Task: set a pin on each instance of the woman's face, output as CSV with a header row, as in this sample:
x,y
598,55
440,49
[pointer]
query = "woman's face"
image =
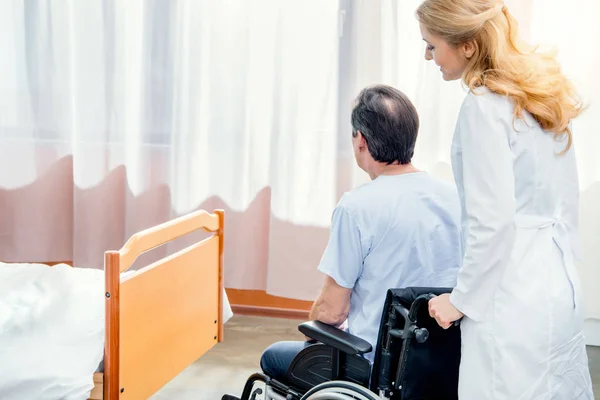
x,y
451,60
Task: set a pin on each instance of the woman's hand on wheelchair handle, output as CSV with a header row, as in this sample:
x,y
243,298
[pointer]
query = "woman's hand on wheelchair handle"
x,y
442,310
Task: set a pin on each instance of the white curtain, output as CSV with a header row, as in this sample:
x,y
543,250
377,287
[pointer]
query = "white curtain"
x,y
117,115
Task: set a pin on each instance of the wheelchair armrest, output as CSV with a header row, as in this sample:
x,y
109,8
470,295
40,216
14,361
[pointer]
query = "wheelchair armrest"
x,y
334,337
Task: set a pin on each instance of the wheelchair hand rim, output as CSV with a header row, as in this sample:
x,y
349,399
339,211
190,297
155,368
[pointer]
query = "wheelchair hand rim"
x,y
336,388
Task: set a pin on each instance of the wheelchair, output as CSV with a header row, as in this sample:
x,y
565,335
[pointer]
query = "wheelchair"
x,y
415,359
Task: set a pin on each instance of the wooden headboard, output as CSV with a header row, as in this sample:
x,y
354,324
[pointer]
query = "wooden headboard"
x,y
164,316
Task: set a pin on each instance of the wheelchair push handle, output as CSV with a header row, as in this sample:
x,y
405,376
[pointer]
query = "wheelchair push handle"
x,y
430,296
413,327
420,302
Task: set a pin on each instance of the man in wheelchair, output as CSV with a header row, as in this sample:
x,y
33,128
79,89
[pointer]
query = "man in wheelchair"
x,y
402,229
414,359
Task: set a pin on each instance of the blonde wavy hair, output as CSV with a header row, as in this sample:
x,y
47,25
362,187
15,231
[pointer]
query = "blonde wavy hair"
x,y
504,64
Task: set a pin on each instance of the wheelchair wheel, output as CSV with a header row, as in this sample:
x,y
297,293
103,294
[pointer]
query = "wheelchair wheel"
x,y
339,390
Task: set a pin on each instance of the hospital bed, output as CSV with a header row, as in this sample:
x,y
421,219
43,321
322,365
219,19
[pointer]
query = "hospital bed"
x,y
157,319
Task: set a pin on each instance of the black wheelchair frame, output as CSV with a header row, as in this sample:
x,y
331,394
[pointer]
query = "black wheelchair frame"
x,y
414,359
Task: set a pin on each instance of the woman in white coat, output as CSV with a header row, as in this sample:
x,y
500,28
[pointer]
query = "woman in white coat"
x,y
518,292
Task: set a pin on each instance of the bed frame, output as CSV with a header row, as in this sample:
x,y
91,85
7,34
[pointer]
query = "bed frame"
x,y
163,317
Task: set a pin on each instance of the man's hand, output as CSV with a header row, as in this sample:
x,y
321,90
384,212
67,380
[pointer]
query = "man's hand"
x,y
443,311
333,304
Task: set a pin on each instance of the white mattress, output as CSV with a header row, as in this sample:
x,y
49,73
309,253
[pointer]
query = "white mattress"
x,y
52,330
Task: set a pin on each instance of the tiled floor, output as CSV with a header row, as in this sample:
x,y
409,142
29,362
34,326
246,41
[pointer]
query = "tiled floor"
x,y
226,367
594,356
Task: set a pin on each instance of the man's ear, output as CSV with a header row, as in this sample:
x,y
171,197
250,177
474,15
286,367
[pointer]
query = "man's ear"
x,y
362,142
469,49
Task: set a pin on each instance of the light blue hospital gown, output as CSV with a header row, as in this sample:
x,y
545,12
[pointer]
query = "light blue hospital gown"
x,y
395,231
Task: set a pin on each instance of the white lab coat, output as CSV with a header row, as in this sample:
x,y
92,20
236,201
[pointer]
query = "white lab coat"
x,y
518,288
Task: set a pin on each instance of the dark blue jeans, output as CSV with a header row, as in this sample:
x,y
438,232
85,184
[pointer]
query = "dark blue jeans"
x,y
276,359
